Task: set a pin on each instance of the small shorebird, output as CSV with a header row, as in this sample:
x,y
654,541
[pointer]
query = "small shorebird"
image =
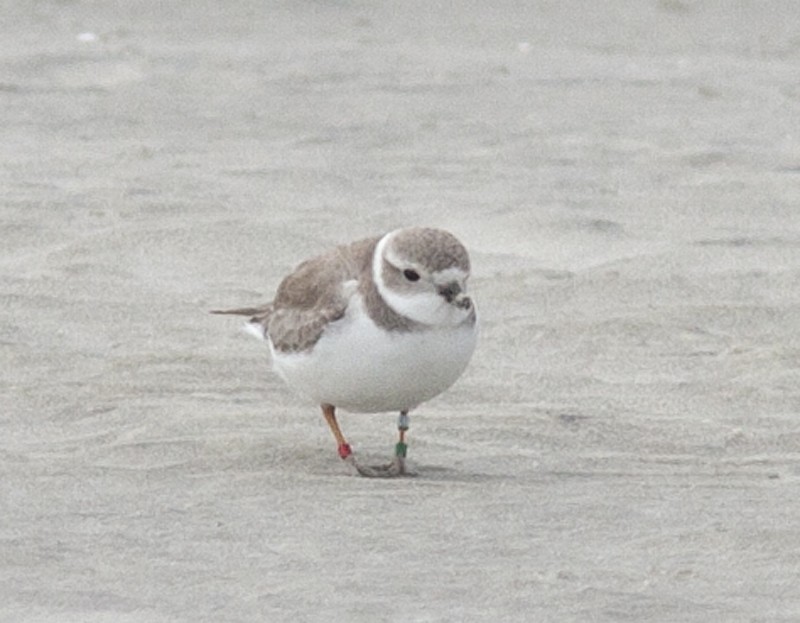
x,y
381,324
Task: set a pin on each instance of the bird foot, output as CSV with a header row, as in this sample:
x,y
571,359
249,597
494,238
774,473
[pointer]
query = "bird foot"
x,y
394,469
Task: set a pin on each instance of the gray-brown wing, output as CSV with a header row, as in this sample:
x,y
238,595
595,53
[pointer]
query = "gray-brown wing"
x,y
295,330
311,297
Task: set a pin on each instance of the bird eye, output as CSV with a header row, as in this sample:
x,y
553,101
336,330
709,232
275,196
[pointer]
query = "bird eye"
x,y
411,275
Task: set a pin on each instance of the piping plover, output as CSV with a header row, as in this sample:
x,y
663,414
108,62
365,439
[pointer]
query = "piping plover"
x,y
381,324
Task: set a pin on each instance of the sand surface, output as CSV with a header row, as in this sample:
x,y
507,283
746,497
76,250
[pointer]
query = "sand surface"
x,y
625,445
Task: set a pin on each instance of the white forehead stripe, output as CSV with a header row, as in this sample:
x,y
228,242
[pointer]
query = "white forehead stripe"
x,y
448,275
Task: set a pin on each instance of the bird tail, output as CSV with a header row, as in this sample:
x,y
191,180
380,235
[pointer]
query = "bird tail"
x,y
242,311
258,324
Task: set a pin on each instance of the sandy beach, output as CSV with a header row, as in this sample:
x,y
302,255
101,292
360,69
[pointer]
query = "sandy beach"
x,y
625,444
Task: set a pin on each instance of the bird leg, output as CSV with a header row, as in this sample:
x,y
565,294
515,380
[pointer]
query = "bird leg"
x,y
329,411
398,465
401,448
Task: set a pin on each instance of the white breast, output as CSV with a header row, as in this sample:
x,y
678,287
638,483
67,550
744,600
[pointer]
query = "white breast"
x,y
361,367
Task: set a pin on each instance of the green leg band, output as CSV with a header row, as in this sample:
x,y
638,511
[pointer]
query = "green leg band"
x,y
400,449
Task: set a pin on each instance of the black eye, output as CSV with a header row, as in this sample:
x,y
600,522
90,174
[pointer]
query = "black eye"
x,y
411,275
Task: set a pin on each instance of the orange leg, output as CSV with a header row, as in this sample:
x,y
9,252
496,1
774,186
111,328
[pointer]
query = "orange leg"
x,y
329,411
